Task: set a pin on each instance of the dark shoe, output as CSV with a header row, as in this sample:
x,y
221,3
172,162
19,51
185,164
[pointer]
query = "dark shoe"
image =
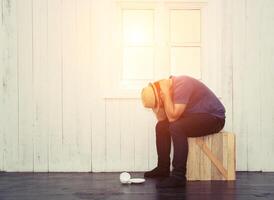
x,y
172,182
157,173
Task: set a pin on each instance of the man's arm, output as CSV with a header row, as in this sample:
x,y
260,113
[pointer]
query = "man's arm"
x,y
173,111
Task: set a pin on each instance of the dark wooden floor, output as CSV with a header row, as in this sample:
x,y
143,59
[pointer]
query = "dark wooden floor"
x,y
106,186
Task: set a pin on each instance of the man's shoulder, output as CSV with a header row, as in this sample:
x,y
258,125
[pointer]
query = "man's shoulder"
x,y
184,79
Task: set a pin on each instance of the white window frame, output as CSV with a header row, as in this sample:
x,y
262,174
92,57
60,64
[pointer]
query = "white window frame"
x,y
120,91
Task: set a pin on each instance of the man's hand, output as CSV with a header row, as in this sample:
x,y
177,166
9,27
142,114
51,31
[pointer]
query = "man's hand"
x,y
173,111
160,114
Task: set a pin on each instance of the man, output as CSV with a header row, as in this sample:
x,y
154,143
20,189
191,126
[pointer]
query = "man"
x,y
184,107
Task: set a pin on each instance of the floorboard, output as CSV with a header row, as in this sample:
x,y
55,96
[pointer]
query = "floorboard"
x,y
106,186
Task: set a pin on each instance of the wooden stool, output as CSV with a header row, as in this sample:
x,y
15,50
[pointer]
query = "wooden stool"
x,y
212,157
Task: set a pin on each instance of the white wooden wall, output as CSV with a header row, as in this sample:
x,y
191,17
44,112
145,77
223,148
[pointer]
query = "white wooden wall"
x,y
45,88
253,83
52,55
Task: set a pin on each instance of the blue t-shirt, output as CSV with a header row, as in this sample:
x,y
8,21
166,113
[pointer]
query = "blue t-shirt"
x,y
197,96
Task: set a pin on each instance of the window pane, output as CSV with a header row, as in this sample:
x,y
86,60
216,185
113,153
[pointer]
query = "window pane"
x,y
184,26
138,26
186,61
138,63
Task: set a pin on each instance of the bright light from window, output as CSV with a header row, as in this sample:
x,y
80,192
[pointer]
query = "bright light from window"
x,y
138,27
135,36
138,32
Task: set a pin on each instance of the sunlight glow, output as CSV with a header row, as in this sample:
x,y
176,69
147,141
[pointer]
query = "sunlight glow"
x,y
138,27
135,36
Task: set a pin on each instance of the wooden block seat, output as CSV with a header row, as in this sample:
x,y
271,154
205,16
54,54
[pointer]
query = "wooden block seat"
x,y
212,157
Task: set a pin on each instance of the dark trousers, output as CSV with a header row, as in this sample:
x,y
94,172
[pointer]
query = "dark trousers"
x,y
192,125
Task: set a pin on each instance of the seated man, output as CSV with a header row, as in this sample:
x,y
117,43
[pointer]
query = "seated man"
x,y
184,107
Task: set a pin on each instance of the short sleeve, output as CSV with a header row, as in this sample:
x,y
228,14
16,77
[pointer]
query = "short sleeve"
x,y
182,91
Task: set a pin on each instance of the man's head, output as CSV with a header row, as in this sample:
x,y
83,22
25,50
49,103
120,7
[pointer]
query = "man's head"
x,y
151,95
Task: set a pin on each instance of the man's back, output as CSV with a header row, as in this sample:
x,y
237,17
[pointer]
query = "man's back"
x,y
198,97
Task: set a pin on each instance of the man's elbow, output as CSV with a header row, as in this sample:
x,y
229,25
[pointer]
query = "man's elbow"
x,y
173,118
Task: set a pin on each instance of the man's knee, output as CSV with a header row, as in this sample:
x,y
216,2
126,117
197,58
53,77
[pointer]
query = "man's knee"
x,y
176,128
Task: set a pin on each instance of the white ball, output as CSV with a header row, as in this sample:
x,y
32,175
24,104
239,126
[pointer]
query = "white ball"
x,y
124,177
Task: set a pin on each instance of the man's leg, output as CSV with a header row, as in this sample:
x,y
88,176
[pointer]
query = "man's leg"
x,y
194,125
163,145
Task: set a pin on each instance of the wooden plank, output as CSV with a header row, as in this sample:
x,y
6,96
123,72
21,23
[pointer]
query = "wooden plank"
x,y
1,88
54,46
205,162
231,160
127,135
113,135
9,89
40,86
141,139
100,63
25,85
267,97
217,150
239,93
225,149
212,157
83,51
252,85
76,84
193,161
98,135
71,118
2,41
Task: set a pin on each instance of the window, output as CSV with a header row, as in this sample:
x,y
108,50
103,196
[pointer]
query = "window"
x,y
138,44
185,43
158,41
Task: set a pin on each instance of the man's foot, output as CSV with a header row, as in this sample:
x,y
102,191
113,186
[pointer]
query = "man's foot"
x,y
171,182
157,173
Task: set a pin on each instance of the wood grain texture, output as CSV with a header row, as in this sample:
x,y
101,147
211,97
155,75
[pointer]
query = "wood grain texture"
x,y
249,185
253,77
218,149
127,136
205,163
76,109
1,89
58,60
55,119
267,94
194,160
209,163
239,93
25,86
113,135
231,159
84,85
8,87
40,85
252,110
100,38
